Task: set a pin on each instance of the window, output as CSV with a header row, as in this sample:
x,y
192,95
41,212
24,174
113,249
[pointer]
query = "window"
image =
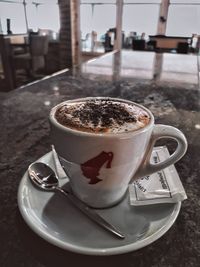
x,y
140,18
97,17
183,20
100,16
44,14
14,12
47,17
104,18
85,20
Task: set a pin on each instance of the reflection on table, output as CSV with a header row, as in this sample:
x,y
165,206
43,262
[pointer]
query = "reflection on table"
x,y
27,57
158,67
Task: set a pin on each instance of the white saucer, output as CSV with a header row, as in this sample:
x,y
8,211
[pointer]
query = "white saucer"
x,y
56,220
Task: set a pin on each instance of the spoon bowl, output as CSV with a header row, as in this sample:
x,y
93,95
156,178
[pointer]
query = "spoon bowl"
x,y
43,176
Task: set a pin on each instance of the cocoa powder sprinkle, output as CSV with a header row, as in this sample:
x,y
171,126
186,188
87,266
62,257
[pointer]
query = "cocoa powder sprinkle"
x,y
100,114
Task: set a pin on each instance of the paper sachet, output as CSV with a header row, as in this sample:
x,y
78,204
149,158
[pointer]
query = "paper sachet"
x,y
161,187
58,168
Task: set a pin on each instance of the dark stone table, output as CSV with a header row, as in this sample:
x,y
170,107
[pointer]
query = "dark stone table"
x,y
25,137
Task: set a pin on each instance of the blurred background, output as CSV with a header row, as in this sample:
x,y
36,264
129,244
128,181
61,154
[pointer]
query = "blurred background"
x,y
171,26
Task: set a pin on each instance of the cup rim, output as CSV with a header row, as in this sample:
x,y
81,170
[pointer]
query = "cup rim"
x,y
54,122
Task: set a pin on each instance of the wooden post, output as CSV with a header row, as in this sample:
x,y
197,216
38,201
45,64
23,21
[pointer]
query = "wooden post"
x,y
119,14
69,33
162,19
117,68
161,29
25,15
75,32
6,63
157,67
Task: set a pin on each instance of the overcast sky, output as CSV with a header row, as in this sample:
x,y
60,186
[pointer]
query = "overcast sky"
x,y
183,20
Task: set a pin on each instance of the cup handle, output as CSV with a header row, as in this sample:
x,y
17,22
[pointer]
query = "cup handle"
x,y
168,132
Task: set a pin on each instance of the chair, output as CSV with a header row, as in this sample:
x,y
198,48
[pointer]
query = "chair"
x,y
19,44
151,45
182,48
38,51
138,44
108,46
6,72
34,60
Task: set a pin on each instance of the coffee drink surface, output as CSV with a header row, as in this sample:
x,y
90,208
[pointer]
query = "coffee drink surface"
x,y
102,116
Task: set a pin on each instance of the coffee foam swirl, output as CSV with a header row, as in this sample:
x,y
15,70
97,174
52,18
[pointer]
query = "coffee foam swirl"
x,y
102,116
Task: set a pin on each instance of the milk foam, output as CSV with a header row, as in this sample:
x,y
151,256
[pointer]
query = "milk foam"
x,y
106,116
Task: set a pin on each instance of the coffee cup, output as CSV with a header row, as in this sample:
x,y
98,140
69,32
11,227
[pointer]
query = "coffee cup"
x,y
106,143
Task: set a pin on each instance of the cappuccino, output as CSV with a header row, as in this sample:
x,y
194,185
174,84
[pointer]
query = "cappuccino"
x,y
102,116
104,143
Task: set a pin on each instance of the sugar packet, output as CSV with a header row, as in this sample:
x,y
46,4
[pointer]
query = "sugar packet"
x,y
58,168
161,187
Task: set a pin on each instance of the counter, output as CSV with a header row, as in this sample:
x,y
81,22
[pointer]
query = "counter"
x,y
166,84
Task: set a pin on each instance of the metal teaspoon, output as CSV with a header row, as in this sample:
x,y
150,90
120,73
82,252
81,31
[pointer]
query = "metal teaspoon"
x,y
45,178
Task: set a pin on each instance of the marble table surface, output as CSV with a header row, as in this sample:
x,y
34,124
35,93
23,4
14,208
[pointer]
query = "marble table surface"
x,y
168,85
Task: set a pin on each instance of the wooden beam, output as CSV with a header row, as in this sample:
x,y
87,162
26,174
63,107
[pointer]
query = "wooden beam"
x,y
70,52
5,55
75,32
157,66
162,19
119,15
116,67
25,15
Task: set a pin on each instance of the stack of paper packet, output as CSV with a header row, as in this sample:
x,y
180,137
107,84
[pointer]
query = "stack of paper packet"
x,y
161,187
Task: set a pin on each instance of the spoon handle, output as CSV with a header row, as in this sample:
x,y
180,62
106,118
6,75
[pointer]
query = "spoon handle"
x,y
91,213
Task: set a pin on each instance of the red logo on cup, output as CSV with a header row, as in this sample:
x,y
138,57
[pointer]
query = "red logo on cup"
x,y
92,167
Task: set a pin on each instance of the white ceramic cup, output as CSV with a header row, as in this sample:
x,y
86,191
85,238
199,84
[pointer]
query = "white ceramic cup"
x,y
100,166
